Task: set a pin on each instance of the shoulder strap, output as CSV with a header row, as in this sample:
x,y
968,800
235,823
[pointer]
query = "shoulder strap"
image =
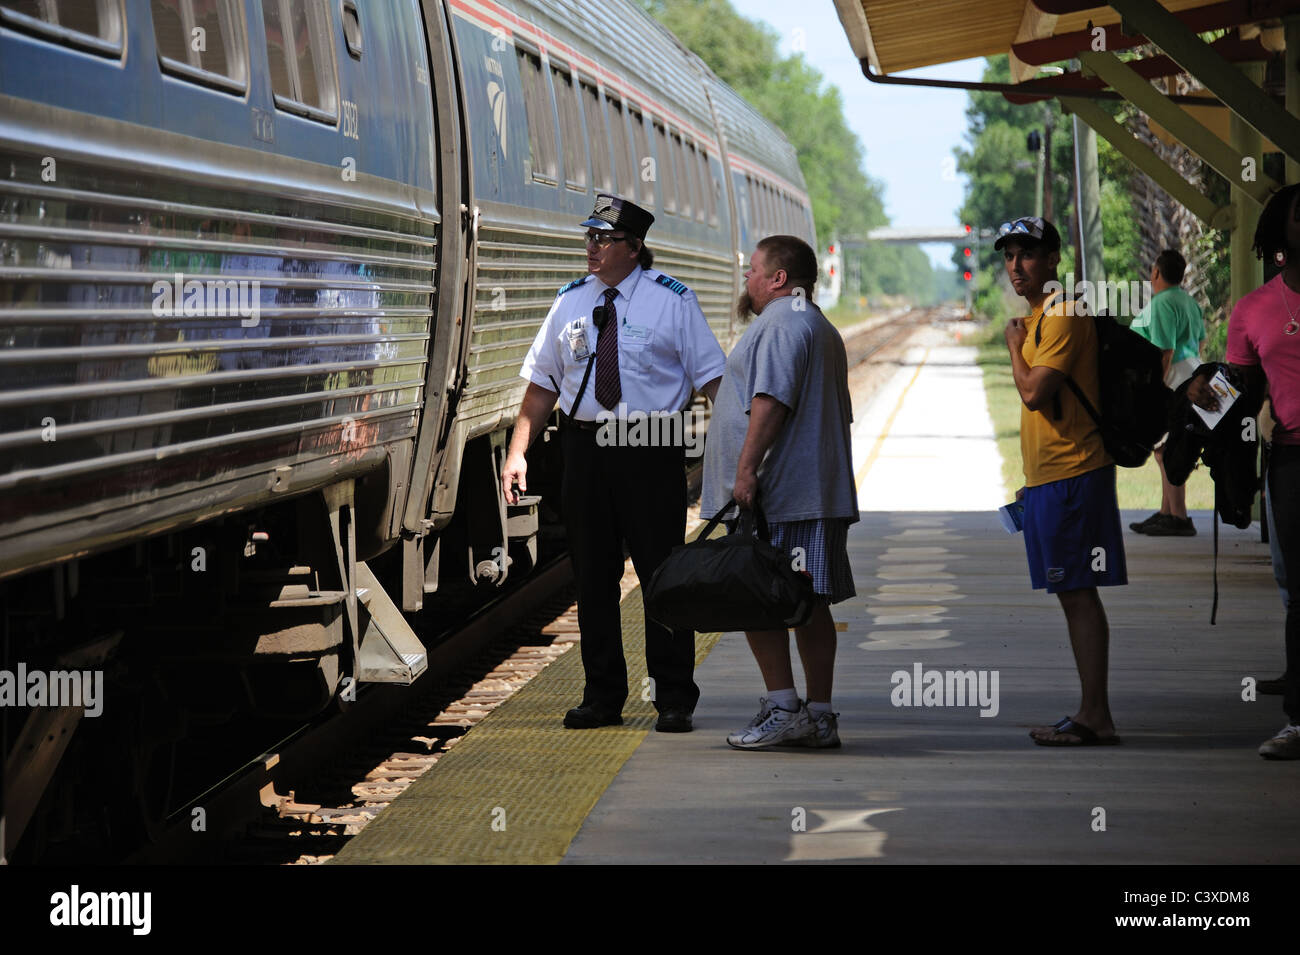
x,y
582,388
1078,392
1083,400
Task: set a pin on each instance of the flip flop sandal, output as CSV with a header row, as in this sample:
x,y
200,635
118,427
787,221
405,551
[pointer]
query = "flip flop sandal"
x,y
1086,737
1055,726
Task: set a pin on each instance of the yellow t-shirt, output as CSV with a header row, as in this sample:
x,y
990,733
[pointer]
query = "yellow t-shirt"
x,y
1055,448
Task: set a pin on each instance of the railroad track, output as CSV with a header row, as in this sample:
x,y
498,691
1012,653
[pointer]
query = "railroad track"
x,y
300,801
864,341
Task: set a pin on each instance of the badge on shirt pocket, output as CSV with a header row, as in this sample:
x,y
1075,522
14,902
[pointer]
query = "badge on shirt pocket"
x,y
578,345
635,341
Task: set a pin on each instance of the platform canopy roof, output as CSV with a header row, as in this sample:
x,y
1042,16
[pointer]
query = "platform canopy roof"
x,y
896,35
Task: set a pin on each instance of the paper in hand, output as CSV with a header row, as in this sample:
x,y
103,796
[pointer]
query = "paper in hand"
x,y
1226,394
1012,517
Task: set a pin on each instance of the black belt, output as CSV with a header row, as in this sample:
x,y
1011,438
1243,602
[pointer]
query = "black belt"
x,y
567,422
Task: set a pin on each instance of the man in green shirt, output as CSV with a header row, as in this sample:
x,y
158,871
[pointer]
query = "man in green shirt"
x,y
1172,322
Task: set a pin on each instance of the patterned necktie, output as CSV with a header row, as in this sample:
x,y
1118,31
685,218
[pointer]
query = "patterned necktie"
x,y
608,387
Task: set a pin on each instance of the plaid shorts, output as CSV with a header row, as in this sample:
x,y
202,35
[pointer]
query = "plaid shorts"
x,y
826,553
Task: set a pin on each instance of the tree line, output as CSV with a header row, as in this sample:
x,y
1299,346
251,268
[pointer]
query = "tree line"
x,y
746,55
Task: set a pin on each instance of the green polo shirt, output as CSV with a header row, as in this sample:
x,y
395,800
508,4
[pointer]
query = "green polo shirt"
x,y
1172,321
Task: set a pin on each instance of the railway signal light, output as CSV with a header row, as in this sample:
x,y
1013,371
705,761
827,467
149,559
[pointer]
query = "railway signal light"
x,y
966,275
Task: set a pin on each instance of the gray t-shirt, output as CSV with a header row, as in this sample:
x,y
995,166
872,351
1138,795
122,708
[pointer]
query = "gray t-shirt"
x,y
797,357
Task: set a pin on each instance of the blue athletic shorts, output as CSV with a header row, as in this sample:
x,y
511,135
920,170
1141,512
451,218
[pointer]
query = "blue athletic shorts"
x,y
1073,536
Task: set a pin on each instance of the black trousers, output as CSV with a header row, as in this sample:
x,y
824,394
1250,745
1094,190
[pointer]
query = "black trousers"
x,y
638,495
1284,483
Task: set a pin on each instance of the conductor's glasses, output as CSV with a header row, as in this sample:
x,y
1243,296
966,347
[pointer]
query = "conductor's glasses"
x,y
603,240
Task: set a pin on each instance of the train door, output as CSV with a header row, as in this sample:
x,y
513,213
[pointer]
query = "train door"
x,y
732,210
455,267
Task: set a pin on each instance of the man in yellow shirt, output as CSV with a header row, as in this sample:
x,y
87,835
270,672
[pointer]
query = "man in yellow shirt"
x,y
1073,537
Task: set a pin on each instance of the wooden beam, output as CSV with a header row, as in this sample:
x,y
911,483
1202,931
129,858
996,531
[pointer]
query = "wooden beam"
x,y
1227,82
1225,160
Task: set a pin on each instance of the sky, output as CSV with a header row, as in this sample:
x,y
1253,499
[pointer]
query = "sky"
x,y
907,133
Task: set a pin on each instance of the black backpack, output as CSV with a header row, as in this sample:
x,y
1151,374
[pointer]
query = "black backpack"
x,y
1135,401
1230,449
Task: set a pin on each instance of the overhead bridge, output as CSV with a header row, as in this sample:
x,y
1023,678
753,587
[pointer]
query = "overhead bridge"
x,y
913,236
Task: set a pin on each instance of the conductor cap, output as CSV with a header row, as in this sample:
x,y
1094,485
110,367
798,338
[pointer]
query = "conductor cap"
x,y
612,213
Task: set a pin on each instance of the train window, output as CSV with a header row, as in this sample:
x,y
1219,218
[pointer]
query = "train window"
x,y
685,172
598,140
571,139
89,24
541,124
666,167
301,54
202,41
352,28
622,148
710,190
641,153
691,161
755,209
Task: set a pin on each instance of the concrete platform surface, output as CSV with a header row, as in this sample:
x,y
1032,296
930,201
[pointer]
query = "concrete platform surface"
x,y
943,784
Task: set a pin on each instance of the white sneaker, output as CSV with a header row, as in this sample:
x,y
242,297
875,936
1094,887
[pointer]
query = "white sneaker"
x,y
825,732
1284,745
772,726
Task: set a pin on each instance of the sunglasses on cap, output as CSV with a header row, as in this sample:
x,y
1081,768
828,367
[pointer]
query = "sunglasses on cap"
x,y
1031,226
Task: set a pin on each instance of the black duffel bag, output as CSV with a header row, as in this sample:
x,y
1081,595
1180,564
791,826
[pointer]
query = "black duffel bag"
x,y
736,582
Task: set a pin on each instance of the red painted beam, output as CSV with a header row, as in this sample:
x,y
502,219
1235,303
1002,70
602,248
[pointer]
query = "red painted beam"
x,y
1217,16
1232,48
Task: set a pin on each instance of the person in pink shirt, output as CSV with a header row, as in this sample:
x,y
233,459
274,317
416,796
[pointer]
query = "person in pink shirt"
x,y
1264,347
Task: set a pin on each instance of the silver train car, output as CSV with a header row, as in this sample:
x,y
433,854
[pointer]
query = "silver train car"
x,y
268,271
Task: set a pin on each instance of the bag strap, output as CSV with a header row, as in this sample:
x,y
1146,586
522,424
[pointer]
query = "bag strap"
x,y
1083,400
1056,398
1214,607
715,520
754,514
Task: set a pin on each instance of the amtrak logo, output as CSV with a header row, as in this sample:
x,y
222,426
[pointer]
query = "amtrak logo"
x,y
497,100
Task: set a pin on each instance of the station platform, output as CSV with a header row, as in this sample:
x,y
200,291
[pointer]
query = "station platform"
x,y
941,587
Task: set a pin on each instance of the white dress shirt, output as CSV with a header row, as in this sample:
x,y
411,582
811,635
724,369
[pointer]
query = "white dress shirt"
x,y
665,345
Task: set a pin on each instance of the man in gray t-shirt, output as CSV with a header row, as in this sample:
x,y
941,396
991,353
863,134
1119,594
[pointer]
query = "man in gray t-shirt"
x,y
781,425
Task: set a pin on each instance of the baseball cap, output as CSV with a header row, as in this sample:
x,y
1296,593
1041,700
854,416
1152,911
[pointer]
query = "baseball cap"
x,y
1029,229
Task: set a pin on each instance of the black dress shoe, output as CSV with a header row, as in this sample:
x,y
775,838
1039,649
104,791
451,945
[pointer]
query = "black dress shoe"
x,y
588,716
1273,687
673,721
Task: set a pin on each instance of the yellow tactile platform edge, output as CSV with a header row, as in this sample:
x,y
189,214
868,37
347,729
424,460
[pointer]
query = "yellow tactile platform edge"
x,y
517,788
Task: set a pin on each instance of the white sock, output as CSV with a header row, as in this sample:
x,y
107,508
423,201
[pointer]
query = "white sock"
x,y
785,699
816,710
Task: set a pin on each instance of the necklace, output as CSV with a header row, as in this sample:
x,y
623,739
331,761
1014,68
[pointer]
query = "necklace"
x,y
1292,326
